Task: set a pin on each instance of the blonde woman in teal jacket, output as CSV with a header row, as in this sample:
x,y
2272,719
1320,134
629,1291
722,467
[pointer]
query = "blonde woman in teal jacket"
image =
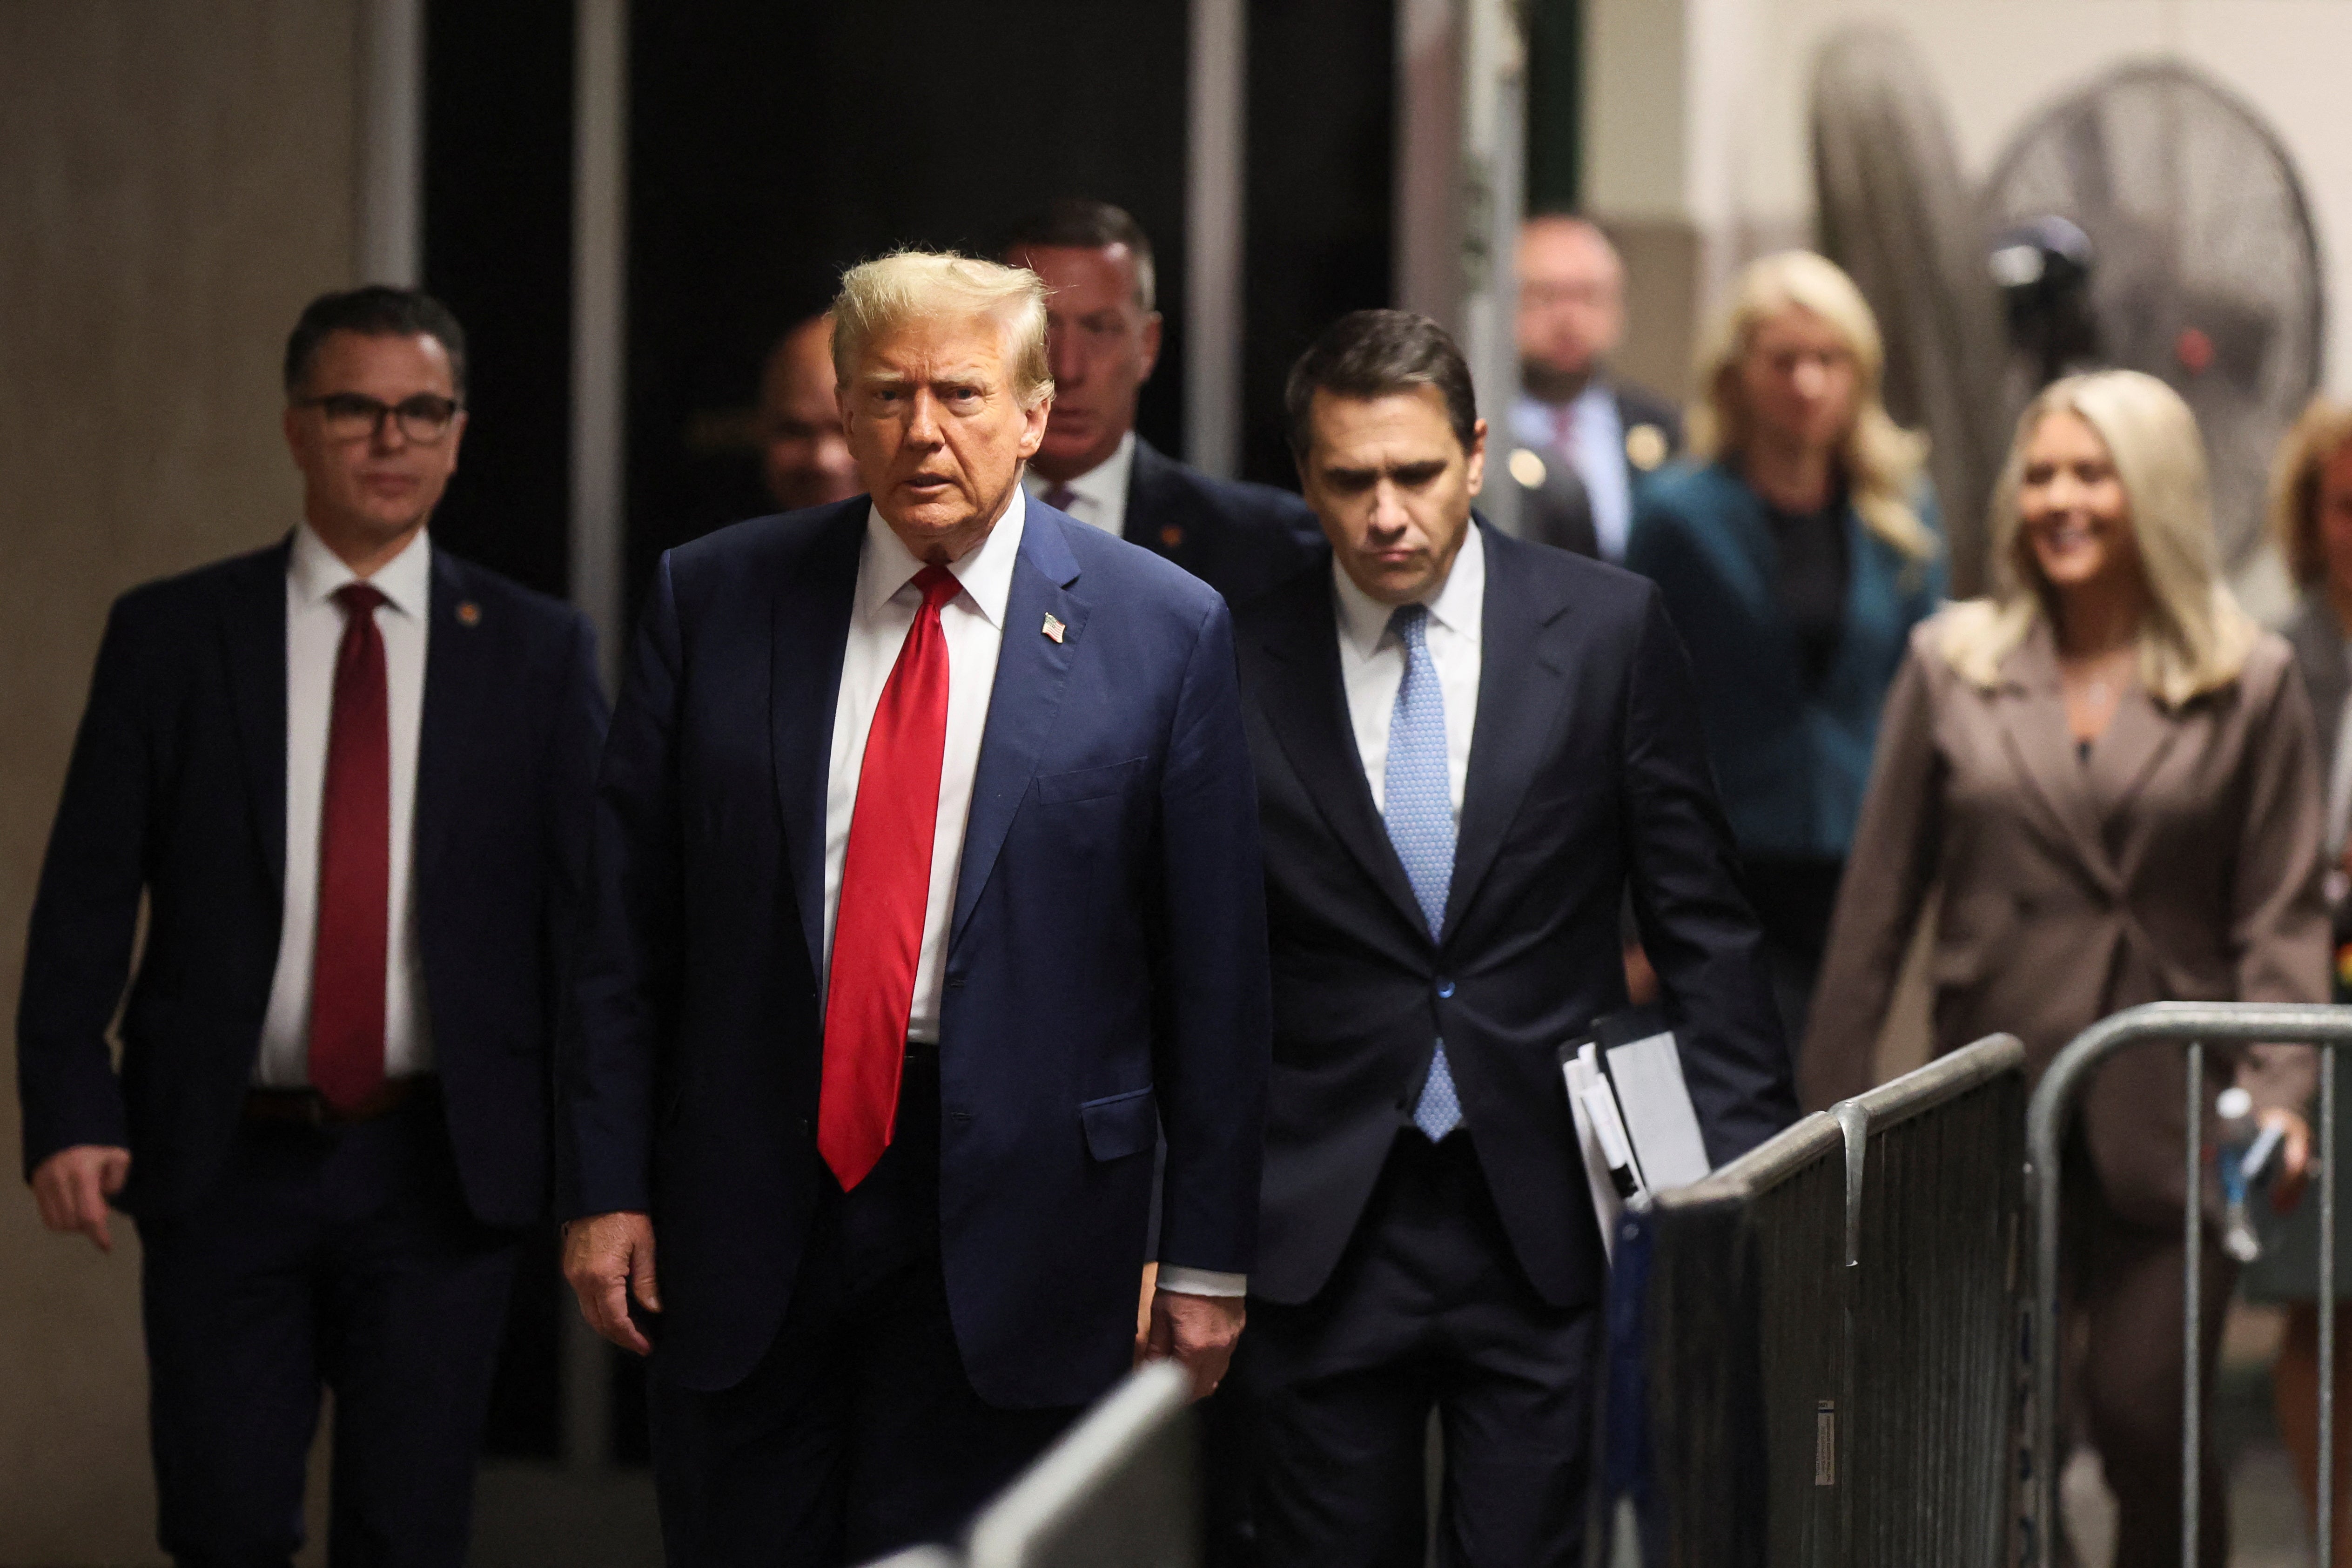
x,y
1794,557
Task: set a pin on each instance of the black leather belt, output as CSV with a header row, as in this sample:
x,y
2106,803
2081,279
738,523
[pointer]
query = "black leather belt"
x,y
308,1108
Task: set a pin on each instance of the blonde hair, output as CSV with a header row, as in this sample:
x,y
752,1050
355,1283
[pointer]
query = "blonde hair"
x,y
1879,459
2194,638
879,296
2324,430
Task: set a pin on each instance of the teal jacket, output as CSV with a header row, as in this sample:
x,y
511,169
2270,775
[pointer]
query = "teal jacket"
x,y
1791,764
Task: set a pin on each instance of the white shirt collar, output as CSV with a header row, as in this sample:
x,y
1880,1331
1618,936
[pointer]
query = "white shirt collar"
x,y
1106,483
1459,605
405,581
986,576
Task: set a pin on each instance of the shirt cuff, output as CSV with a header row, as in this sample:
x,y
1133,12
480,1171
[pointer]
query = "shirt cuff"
x,y
1201,1282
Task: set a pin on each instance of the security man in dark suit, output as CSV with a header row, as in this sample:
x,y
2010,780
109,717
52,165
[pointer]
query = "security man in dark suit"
x,y
1468,749
1584,441
350,776
1240,539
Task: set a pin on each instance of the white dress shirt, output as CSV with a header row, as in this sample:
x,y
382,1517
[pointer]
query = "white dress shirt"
x,y
1098,496
1372,659
974,624
314,631
1596,450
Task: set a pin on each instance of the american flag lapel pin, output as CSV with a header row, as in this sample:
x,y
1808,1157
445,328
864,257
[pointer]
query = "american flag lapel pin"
x,y
1055,629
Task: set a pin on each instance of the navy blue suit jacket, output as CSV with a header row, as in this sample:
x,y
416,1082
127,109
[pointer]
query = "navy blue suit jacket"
x,y
1105,971
1240,539
1587,778
177,790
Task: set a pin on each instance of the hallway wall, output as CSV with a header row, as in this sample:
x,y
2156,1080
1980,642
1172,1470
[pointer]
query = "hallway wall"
x,y
176,180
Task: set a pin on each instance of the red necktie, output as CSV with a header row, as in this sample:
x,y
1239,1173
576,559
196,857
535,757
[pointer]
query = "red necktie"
x,y
347,976
886,886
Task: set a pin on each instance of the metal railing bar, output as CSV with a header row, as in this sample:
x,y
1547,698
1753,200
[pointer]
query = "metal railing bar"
x,y
1795,1147
2192,1313
1947,1077
1131,1417
2197,1023
2325,1492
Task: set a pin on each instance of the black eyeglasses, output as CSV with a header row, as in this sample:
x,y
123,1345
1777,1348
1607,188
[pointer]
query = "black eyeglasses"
x,y
352,417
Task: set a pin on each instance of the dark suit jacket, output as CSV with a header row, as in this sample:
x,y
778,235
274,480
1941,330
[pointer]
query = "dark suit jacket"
x,y
1106,975
1587,775
2319,654
1239,539
1791,761
1558,512
177,790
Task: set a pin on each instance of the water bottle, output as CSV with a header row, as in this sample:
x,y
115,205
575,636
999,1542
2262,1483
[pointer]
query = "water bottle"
x,y
2243,1152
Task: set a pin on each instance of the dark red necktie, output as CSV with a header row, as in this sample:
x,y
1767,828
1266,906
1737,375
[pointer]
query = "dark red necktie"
x,y
347,975
886,886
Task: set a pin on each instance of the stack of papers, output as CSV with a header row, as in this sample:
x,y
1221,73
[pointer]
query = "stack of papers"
x,y
1634,1122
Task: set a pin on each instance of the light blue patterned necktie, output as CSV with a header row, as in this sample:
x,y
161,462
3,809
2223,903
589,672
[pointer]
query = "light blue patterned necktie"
x,y
1417,803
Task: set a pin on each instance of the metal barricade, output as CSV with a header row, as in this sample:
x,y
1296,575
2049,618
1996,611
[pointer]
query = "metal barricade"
x,y
1117,1491
1812,1350
2193,1026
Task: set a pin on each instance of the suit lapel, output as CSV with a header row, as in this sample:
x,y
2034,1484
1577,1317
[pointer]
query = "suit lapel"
x,y
1149,522
1518,705
1307,709
1032,671
455,683
253,630
2136,740
808,629
2042,751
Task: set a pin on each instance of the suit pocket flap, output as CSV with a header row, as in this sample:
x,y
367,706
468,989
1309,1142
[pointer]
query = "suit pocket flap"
x,y
1122,1124
1086,783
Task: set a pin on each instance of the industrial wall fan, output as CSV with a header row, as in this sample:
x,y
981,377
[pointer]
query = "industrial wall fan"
x,y
2150,220
2205,266
1897,214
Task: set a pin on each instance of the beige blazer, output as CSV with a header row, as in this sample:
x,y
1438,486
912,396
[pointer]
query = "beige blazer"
x,y
2181,861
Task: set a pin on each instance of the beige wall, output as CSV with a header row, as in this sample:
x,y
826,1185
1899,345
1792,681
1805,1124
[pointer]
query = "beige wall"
x,y
175,180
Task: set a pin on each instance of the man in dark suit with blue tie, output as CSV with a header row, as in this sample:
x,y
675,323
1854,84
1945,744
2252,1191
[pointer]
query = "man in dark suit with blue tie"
x,y
1468,749
927,898
1104,336
350,775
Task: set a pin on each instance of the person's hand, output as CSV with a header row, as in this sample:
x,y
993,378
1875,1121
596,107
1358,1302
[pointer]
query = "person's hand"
x,y
1143,1311
1641,979
2294,1157
73,1184
1199,1331
604,1256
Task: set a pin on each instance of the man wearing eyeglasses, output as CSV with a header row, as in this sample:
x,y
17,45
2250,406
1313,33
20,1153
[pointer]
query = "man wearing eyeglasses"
x,y
349,777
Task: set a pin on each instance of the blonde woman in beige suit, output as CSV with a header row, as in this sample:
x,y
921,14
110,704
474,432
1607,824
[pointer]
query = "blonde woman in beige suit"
x,y
2106,776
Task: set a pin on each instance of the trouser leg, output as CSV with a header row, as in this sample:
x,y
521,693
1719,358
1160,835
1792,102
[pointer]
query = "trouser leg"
x,y
233,1379
1340,1436
1428,1310
414,1299
2128,1302
1516,1396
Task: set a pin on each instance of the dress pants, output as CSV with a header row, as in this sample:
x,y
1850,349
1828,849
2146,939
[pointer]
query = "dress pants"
x,y
2120,1305
859,1433
343,1256
1427,1310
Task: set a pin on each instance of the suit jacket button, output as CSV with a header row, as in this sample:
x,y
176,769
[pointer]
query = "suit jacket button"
x,y
1445,987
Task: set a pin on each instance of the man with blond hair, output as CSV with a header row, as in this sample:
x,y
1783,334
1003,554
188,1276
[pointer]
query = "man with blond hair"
x,y
926,901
